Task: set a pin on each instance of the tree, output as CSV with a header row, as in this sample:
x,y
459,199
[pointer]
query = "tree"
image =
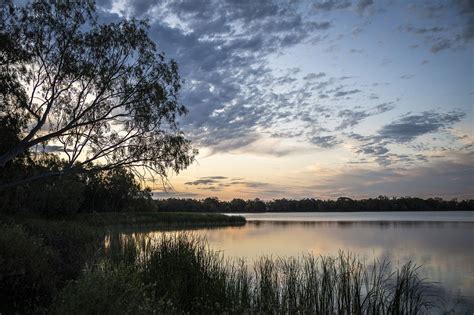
x,y
99,94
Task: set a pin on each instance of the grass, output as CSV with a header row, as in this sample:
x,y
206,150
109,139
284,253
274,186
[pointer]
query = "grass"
x,y
65,267
39,257
157,219
180,274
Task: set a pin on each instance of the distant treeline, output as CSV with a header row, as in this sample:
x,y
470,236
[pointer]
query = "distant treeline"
x,y
118,190
381,203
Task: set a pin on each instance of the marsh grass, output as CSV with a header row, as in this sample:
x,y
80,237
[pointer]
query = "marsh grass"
x,y
157,219
179,273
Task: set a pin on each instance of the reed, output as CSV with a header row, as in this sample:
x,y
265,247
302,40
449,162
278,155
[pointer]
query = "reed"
x,y
180,273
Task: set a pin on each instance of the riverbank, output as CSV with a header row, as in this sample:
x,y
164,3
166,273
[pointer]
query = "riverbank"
x,y
40,257
64,266
57,273
158,219
136,219
180,274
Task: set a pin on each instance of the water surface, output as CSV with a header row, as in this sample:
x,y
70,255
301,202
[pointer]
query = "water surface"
x,y
441,242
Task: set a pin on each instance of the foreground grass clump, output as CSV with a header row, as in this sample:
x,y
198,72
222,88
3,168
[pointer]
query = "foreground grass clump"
x,y
179,274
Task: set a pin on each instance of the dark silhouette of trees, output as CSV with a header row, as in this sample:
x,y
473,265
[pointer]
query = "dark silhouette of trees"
x,y
342,204
115,190
100,94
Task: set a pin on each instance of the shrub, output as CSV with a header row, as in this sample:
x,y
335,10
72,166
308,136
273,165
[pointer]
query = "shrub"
x,y
75,244
27,280
106,289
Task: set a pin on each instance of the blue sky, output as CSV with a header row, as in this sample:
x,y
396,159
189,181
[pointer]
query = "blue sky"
x,y
320,98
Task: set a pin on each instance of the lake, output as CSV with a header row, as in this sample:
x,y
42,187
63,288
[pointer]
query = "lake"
x,y
441,242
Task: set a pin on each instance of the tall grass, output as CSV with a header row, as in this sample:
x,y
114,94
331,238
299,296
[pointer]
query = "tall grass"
x,y
180,273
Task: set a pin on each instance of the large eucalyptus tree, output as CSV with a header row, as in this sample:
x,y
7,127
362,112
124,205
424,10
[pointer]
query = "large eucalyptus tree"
x,y
100,94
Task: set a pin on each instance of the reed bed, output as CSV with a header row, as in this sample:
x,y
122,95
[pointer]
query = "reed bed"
x,y
157,219
179,273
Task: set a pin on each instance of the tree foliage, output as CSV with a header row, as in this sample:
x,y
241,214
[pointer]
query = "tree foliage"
x,y
115,190
101,95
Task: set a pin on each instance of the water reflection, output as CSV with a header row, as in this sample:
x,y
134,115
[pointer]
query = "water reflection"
x,y
393,216
444,249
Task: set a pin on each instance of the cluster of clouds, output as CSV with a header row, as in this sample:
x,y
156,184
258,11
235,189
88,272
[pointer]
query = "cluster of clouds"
x,y
436,33
404,131
449,178
219,183
235,97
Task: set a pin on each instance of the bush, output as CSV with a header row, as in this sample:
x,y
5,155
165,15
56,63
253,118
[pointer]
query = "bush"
x,y
105,290
27,280
74,244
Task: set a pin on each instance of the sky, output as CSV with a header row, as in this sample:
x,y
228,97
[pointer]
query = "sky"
x,y
319,99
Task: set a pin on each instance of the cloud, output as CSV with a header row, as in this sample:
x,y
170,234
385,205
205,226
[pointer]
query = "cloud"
x,y
345,93
322,26
203,181
237,100
248,184
447,25
214,177
404,131
441,44
354,117
452,178
218,182
364,5
464,6
423,30
411,126
324,141
313,76
356,51
222,48
222,183
329,5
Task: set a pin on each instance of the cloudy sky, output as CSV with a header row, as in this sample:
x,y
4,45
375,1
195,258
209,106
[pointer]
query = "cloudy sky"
x,y
320,98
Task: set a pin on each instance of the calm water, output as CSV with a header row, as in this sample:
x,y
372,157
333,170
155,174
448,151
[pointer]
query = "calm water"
x,y
442,242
